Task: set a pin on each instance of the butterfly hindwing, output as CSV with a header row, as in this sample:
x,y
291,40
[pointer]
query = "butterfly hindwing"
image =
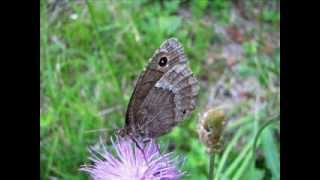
x,y
168,102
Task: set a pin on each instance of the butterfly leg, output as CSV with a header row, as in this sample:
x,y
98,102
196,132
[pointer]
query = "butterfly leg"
x,y
148,140
140,148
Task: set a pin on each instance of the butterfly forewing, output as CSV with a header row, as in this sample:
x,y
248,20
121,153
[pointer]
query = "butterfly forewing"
x,y
164,93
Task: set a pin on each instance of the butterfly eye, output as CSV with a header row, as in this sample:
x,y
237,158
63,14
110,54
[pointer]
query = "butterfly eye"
x,y
163,61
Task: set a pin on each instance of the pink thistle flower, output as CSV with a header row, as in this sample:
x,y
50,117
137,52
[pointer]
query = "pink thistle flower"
x,y
132,162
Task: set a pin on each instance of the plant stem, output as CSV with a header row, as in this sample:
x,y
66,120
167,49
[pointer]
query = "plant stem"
x,y
211,167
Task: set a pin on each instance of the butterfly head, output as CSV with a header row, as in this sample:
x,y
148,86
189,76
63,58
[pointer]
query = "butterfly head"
x,y
123,132
127,132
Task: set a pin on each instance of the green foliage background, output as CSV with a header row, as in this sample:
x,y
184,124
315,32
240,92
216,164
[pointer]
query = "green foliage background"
x,y
92,51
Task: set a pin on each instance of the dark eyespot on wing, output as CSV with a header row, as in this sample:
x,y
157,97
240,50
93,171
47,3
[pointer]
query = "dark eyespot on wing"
x,y
163,61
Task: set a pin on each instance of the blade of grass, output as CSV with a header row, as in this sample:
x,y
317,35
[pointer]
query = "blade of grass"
x,y
273,119
239,123
51,155
103,51
245,163
211,167
244,154
236,163
270,151
228,149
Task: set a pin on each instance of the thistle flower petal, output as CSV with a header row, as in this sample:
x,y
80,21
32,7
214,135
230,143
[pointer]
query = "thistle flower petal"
x,y
132,162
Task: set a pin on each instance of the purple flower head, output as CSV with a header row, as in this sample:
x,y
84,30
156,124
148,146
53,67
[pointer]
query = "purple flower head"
x,y
131,162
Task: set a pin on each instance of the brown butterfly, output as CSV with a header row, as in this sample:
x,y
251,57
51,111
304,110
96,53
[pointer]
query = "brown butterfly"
x,y
164,94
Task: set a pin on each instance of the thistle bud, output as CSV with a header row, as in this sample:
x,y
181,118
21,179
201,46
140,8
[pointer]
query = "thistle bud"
x,y
210,129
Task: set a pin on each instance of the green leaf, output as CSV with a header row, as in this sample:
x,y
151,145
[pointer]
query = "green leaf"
x,y
271,153
171,6
169,24
254,174
198,7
